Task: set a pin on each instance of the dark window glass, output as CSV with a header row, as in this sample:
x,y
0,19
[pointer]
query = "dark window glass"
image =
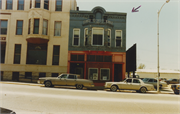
x,y
9,4
136,81
76,41
30,4
129,80
28,75
37,54
42,75
99,58
118,42
107,58
55,74
17,54
20,4
19,28
71,77
37,3
56,55
36,26
97,39
80,57
155,80
91,58
76,37
46,4
3,50
77,57
105,74
58,5
151,80
29,27
73,57
3,26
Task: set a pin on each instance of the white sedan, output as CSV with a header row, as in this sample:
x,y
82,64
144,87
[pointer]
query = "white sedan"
x,y
130,84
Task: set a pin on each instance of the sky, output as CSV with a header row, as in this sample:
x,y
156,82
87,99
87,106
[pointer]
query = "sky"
x,y
141,29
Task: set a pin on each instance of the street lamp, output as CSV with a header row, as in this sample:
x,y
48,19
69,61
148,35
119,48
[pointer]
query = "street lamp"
x,y
158,75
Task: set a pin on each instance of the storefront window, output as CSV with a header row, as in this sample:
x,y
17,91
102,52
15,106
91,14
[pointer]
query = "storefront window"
x,y
93,73
105,74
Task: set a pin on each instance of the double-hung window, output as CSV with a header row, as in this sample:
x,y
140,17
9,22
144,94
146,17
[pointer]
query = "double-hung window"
x,y
45,27
109,37
20,4
98,36
3,27
30,4
36,26
29,27
58,5
56,52
19,27
86,36
46,4
57,28
118,38
9,4
37,3
76,37
17,54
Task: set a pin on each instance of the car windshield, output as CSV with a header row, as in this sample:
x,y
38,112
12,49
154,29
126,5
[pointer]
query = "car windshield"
x,y
145,79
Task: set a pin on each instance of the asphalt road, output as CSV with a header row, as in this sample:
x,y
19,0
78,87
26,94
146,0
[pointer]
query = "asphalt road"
x,y
25,99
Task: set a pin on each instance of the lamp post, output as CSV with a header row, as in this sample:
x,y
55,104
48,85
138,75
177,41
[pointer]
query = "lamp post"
x,y
158,75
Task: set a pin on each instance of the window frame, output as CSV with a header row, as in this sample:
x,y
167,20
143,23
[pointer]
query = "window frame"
x,y
20,4
56,5
30,4
109,42
56,55
34,26
15,53
11,5
4,28
55,28
101,76
28,77
78,38
118,39
29,27
47,4
45,27
85,36
37,2
102,37
19,27
89,73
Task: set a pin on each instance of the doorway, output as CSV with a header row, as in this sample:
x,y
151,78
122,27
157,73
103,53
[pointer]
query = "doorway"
x,y
117,72
77,68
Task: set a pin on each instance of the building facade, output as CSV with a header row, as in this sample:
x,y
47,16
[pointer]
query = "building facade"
x,y
97,45
34,38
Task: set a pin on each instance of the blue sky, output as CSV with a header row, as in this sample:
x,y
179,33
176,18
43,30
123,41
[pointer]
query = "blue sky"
x,y
142,29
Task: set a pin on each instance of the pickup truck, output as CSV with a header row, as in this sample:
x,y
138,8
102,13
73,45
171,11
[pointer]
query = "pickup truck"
x,y
66,79
175,88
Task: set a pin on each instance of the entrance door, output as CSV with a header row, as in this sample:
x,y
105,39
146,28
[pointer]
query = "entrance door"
x,y
15,76
79,71
117,72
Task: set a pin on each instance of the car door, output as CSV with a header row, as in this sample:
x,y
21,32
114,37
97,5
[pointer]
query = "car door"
x,y
136,84
61,80
127,84
151,81
71,80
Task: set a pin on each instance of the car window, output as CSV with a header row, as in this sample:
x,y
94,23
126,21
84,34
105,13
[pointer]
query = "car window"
x,y
174,80
129,80
145,79
136,81
64,76
71,77
151,80
155,80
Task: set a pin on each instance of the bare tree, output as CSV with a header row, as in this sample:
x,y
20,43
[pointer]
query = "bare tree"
x,y
142,66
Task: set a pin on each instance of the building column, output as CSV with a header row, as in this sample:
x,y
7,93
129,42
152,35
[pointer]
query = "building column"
x,y
33,3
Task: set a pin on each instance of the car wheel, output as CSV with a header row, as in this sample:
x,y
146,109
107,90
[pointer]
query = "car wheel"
x,y
114,88
79,86
48,84
143,90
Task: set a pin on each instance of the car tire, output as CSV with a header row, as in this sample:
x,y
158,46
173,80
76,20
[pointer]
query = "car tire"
x,y
114,88
48,84
176,92
79,86
143,90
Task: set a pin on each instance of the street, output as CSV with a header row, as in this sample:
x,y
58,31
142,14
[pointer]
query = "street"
x,y
25,99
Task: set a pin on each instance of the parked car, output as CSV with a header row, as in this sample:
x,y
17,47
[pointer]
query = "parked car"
x,y
172,81
162,79
129,84
176,88
154,82
66,79
6,111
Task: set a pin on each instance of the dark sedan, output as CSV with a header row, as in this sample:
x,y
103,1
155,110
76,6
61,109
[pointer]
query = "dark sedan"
x,y
172,81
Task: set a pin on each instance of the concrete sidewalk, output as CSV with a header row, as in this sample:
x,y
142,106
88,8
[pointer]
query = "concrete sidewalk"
x,y
165,90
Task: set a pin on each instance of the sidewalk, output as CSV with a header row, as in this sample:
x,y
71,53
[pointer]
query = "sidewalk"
x,y
166,90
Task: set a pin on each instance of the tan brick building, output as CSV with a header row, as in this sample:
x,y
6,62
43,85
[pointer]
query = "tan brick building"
x,y
34,38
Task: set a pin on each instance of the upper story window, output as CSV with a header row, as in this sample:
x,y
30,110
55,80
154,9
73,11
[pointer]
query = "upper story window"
x,y
118,38
19,27
76,37
86,36
36,26
57,28
45,27
29,27
58,5
3,26
17,54
46,4
9,4
98,36
20,4
37,3
30,4
0,4
109,37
